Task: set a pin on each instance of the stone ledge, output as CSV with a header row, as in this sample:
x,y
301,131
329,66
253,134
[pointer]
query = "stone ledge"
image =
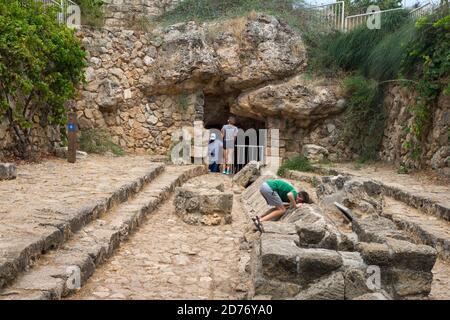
x,y
87,250
422,203
54,235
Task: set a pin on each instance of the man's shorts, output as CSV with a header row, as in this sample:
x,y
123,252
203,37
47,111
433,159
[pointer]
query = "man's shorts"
x,y
228,144
272,198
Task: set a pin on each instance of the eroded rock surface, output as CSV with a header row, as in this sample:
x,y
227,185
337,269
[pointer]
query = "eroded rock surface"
x,y
8,171
296,99
305,256
199,205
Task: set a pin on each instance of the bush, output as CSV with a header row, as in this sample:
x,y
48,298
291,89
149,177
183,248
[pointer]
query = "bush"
x,y
364,117
351,51
92,13
98,141
207,10
41,64
298,163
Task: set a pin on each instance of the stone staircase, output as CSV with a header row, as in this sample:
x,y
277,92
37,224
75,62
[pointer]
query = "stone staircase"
x,y
86,240
423,214
305,255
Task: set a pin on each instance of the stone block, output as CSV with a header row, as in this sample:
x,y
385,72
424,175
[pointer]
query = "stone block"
x,y
314,153
406,255
402,283
8,171
282,260
331,287
279,228
374,228
248,174
203,206
375,253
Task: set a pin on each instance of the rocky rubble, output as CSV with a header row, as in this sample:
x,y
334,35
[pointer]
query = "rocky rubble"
x,y
8,171
357,194
305,256
203,206
248,174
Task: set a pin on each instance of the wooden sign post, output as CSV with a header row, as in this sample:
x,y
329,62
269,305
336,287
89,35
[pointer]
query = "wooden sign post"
x,y
72,128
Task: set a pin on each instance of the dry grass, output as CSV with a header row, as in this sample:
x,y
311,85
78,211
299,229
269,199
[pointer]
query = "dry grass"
x,y
142,23
236,27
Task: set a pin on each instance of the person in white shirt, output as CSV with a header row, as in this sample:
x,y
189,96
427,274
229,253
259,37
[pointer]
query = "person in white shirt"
x,y
214,153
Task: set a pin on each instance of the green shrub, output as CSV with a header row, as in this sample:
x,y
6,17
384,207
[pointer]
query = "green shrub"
x,y
364,117
207,10
41,65
299,163
98,141
428,63
351,51
92,12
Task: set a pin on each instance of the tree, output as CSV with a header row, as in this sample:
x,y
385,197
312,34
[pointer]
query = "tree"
x,y
41,64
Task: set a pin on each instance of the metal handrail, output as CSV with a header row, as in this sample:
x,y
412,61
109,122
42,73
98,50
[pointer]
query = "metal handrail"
x,y
356,20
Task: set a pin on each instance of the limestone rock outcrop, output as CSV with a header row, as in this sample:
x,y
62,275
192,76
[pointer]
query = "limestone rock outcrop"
x,y
225,56
298,99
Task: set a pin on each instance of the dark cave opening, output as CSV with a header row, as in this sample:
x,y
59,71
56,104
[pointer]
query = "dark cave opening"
x,y
216,111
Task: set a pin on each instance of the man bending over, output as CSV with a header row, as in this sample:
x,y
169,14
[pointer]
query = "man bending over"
x,y
276,192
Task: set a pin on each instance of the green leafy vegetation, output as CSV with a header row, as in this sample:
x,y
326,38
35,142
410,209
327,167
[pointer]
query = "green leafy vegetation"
x,y
92,13
364,117
98,141
359,49
208,10
298,163
408,53
428,62
41,63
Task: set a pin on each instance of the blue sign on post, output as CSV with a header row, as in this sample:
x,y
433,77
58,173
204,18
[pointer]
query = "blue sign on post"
x,y
71,127
72,137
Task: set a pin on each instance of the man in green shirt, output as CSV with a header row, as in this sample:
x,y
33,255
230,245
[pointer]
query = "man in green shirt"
x,y
278,191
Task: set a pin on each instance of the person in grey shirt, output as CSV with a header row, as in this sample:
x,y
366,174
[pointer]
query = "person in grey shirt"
x,y
229,134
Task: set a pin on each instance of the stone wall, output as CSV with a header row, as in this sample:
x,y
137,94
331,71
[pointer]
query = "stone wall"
x,y
125,13
111,98
45,137
143,86
436,147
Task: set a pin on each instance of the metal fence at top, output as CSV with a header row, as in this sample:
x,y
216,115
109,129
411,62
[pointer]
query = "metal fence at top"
x,y
63,6
333,15
330,16
356,20
421,11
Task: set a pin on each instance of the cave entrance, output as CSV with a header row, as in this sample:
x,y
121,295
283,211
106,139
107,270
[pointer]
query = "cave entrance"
x,y
251,144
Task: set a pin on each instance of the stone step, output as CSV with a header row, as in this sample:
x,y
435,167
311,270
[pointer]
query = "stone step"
x,y
51,277
431,202
425,229
408,211
54,228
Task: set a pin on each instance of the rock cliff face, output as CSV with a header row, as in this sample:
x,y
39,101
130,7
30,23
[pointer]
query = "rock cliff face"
x,y
223,57
303,100
435,148
143,87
